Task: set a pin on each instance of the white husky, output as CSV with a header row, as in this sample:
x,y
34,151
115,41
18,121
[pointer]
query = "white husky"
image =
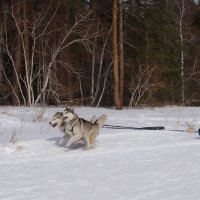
x,y
82,128
58,121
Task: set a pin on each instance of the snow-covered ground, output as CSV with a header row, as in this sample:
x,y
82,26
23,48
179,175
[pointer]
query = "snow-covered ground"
x,y
125,165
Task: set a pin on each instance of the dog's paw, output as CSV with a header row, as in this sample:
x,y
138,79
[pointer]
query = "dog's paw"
x,y
86,147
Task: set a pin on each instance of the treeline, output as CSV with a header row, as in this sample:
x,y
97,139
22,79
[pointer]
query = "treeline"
x,y
63,52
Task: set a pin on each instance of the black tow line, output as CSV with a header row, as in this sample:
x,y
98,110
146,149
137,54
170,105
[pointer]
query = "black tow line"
x,y
135,128
143,128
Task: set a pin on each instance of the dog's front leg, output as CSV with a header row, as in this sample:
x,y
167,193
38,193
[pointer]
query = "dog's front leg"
x,y
72,139
69,132
62,139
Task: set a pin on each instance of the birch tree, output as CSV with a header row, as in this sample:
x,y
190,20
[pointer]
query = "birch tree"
x,y
17,56
181,6
96,81
35,44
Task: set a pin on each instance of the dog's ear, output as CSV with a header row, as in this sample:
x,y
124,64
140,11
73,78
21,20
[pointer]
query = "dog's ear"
x,y
66,108
72,109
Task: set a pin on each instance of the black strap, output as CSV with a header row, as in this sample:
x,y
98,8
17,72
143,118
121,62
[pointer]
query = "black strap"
x,y
134,128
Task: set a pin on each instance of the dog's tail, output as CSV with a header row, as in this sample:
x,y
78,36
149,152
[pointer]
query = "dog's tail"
x,y
101,120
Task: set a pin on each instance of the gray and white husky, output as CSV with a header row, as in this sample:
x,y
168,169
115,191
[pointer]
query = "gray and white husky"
x,y
76,128
82,128
58,121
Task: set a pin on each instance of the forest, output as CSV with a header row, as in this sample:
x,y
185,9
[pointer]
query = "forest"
x,y
100,53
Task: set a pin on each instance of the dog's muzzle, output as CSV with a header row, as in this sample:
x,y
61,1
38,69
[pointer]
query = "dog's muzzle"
x,y
53,125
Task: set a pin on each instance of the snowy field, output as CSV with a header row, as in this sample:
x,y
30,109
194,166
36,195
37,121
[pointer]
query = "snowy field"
x,y
125,165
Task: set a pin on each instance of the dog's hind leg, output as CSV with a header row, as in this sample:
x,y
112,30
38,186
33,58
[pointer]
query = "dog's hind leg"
x,y
90,138
88,142
93,139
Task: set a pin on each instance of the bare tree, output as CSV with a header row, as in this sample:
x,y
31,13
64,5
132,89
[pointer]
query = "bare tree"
x,y
104,83
17,56
1,60
182,10
181,5
36,44
143,84
189,71
117,98
121,51
194,76
95,86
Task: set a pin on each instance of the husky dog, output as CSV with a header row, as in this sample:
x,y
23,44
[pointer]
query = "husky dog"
x,y
58,121
82,128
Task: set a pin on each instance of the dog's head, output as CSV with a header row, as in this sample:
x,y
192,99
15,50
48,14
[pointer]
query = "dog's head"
x,y
68,114
57,119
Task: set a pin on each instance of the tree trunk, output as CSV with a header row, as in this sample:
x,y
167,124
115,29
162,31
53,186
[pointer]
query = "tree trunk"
x,y
1,69
1,59
121,55
117,99
17,58
1,42
27,56
182,10
182,68
69,83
